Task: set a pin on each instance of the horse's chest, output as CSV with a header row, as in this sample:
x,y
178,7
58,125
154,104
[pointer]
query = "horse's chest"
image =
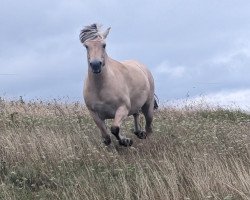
x,y
104,110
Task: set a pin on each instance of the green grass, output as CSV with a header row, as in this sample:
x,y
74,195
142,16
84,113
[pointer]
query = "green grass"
x,y
54,151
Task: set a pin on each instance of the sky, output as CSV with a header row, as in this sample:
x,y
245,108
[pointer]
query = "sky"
x,y
195,49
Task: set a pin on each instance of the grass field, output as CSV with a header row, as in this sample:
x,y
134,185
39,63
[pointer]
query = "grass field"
x,y
54,151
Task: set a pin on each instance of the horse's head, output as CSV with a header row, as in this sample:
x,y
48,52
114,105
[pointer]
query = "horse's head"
x,y
96,54
94,41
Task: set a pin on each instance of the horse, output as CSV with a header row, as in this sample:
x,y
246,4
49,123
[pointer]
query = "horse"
x,y
115,90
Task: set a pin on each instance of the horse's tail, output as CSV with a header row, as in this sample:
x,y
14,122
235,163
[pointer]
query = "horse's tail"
x,y
156,102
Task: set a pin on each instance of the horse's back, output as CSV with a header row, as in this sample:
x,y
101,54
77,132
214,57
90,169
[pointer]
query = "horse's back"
x,y
135,68
133,64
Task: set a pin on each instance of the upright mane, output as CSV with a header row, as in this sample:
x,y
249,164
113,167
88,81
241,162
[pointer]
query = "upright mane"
x,y
90,32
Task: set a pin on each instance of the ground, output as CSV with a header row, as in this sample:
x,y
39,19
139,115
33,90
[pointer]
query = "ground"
x,y
52,150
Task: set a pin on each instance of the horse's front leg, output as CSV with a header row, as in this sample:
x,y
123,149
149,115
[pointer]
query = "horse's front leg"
x,y
101,125
121,113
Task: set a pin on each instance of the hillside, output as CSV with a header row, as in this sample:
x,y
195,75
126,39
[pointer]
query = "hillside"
x,y
51,150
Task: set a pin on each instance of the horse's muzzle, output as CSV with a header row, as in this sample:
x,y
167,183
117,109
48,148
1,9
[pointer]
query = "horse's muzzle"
x,y
96,66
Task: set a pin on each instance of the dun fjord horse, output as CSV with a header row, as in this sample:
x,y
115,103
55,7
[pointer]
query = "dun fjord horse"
x,y
115,90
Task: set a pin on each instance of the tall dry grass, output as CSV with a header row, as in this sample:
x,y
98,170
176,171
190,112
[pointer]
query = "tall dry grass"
x,y
54,151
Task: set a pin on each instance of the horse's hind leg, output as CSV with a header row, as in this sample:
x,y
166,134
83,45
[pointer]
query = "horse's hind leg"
x,y
121,113
148,111
138,132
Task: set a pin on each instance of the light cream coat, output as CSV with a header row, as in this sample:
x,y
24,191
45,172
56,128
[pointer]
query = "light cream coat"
x,y
119,90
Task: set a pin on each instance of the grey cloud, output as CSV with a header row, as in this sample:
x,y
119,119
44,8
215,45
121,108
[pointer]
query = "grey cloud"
x,y
39,42
228,71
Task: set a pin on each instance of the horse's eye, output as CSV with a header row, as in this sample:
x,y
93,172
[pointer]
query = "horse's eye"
x,y
86,46
103,46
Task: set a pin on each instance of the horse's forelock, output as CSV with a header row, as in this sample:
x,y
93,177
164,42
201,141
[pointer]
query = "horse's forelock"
x,y
90,32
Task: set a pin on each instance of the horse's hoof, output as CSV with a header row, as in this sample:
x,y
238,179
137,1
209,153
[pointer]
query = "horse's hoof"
x,y
125,142
141,134
107,141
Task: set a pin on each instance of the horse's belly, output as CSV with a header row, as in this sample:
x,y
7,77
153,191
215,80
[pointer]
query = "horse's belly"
x,y
138,101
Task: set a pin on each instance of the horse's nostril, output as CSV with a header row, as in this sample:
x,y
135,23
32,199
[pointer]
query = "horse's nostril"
x,y
96,66
96,63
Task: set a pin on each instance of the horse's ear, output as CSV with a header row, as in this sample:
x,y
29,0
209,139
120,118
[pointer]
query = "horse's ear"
x,y
105,34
